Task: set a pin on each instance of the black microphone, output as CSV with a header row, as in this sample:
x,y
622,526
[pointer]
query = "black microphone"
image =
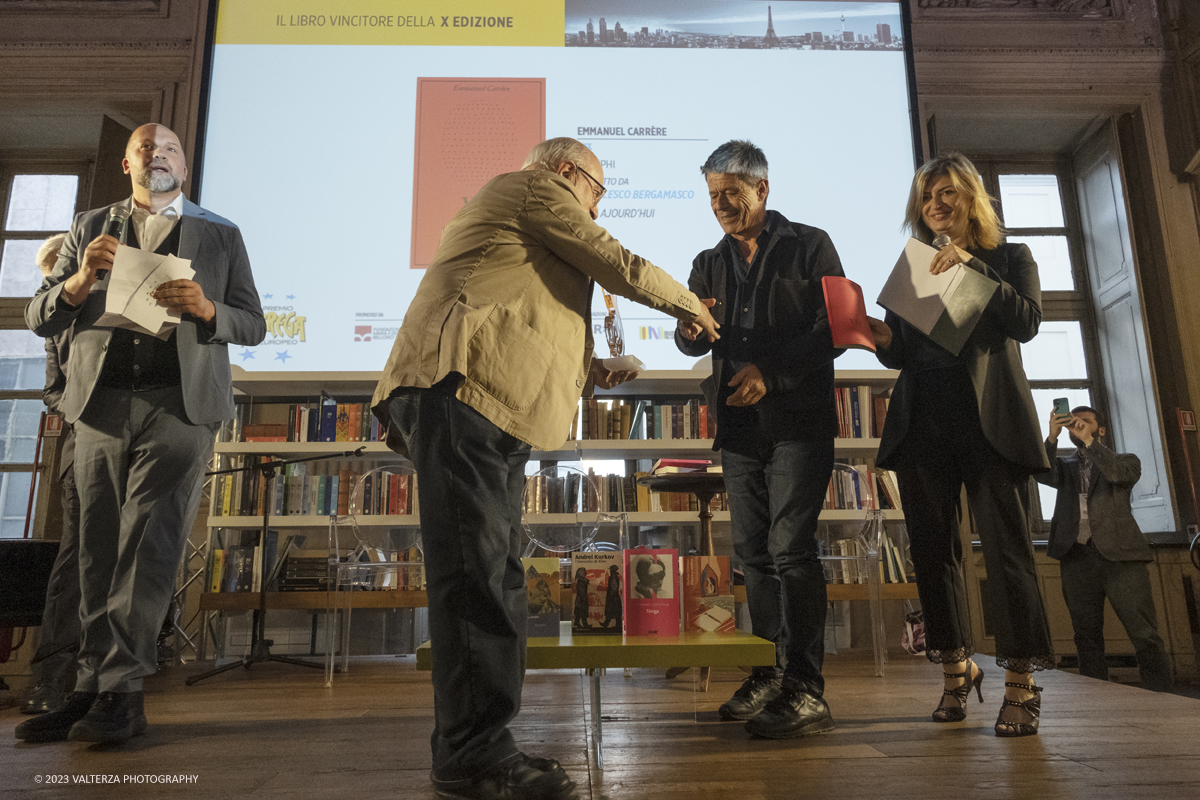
x,y
118,217
941,241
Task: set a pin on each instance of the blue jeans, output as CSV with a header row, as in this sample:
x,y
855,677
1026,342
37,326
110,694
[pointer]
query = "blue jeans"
x,y
775,500
470,475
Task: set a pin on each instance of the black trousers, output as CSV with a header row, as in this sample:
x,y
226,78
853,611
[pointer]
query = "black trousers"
x,y
470,475
1087,579
944,450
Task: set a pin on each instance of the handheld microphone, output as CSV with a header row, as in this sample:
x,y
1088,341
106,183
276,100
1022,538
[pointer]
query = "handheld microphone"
x,y
941,241
118,217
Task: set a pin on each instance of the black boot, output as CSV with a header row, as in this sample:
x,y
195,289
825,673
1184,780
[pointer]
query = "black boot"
x,y
114,717
795,712
753,695
55,725
521,777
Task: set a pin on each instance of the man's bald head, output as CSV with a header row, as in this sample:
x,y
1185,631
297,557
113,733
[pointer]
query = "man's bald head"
x,y
154,159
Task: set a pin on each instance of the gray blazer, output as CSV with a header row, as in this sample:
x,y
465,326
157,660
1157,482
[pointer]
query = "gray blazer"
x,y
214,246
1110,516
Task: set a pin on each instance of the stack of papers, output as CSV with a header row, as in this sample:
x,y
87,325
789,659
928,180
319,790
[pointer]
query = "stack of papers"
x,y
668,466
135,274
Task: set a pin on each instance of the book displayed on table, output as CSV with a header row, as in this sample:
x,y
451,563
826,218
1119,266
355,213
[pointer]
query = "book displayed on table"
x,y
707,594
542,580
672,466
596,602
651,592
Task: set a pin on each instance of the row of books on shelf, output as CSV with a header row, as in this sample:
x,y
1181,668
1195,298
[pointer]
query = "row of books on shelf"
x,y
642,419
867,487
845,561
319,488
324,421
636,592
238,567
575,494
860,413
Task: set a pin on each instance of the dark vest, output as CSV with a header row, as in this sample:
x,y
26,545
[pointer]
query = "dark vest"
x,y
138,361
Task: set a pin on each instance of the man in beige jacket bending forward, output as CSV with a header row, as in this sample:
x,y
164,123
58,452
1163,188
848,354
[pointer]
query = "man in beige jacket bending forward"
x,y
491,359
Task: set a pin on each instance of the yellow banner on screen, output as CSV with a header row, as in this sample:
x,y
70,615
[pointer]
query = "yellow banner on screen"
x,y
441,23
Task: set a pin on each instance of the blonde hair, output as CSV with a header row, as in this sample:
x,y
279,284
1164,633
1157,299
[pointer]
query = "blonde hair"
x,y
48,252
983,226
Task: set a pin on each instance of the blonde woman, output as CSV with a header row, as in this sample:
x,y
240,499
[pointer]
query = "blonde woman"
x,y
970,420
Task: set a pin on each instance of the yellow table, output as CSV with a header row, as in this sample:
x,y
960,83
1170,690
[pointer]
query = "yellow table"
x,y
594,653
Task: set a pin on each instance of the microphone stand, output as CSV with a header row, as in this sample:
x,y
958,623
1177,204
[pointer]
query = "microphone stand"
x,y
260,646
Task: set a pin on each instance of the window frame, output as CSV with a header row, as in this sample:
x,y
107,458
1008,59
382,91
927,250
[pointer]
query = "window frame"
x,y
1058,305
12,309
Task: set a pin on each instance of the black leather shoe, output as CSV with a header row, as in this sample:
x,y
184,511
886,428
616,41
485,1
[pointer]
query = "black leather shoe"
x,y
55,725
43,698
521,777
751,698
114,717
795,712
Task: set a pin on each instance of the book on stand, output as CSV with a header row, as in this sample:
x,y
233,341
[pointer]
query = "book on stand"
x,y
707,592
651,592
543,584
596,606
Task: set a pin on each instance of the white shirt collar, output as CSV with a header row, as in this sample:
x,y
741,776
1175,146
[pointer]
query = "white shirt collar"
x,y
174,208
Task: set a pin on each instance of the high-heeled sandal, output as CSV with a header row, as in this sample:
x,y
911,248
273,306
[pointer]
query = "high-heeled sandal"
x,y
1032,707
945,713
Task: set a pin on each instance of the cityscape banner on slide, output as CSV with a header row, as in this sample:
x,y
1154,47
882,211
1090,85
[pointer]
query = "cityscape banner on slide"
x,y
342,137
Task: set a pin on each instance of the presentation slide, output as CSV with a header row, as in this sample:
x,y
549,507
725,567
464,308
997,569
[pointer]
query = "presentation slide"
x,y
341,137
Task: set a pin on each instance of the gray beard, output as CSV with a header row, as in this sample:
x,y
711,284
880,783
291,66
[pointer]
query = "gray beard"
x,y
158,183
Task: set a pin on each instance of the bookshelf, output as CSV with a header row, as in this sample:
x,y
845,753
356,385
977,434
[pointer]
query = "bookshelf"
x,y
257,389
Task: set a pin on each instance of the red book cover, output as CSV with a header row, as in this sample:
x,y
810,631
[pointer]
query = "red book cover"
x,y
469,130
847,313
707,591
651,592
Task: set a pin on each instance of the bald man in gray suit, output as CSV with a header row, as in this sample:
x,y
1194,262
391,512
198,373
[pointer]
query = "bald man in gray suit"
x,y
145,412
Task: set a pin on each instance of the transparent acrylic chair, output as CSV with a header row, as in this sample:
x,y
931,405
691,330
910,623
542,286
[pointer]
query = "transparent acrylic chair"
x,y
371,550
553,513
863,562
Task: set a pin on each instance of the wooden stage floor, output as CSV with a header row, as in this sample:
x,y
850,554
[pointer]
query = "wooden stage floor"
x,y
275,732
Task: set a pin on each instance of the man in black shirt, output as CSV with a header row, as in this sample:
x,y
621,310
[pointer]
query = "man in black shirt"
x,y
772,391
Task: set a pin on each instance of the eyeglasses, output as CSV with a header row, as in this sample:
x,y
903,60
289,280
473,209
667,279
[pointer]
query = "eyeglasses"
x,y
597,184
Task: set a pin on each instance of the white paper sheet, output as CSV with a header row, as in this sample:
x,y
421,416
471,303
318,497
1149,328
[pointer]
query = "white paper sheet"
x,y
911,292
135,274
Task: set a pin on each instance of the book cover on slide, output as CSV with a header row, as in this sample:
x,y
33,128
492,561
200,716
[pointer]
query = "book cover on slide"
x,y
469,130
651,592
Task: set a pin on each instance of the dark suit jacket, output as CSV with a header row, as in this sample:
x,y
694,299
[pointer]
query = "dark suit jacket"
x,y
214,246
1110,515
992,357
797,369
58,350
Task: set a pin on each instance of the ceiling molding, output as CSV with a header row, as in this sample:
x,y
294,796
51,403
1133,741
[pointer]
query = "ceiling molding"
x,y
177,46
1020,10
86,8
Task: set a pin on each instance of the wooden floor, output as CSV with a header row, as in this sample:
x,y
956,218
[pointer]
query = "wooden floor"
x,y
275,732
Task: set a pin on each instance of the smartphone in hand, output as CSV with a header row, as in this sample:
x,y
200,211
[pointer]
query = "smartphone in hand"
x,y
1062,406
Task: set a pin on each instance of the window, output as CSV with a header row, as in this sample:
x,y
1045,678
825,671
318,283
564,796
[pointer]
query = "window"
x,y
1036,203
37,200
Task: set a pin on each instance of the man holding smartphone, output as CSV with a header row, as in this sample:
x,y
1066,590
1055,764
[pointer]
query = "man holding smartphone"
x,y
1101,551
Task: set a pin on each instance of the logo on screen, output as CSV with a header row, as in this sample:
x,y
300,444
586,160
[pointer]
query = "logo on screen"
x,y
362,333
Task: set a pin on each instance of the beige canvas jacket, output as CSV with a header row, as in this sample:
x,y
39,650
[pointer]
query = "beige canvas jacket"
x,y
506,304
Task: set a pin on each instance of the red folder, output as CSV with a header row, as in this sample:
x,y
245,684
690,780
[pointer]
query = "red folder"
x,y
847,313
